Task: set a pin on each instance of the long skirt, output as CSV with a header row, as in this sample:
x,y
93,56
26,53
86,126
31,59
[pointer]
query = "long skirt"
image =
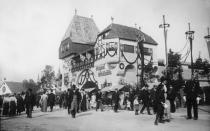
x,y
6,108
167,110
13,107
44,106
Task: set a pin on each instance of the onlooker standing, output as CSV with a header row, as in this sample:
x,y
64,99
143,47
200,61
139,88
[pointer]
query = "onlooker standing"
x,y
146,99
136,105
6,105
12,105
159,101
51,100
93,101
29,101
43,102
152,98
98,100
75,98
68,101
20,104
131,97
116,99
1,104
192,92
83,101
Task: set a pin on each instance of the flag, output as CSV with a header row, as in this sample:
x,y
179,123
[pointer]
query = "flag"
x,y
208,45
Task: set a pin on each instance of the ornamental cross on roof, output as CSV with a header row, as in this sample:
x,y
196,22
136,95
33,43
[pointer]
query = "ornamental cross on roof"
x,y
112,19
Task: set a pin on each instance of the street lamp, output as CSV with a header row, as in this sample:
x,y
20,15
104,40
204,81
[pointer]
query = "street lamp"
x,y
165,26
190,35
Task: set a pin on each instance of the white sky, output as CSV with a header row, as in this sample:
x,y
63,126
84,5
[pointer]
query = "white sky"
x,y
31,30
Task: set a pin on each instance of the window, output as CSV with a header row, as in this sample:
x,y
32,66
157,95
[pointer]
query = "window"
x,y
147,51
111,46
67,46
128,48
62,49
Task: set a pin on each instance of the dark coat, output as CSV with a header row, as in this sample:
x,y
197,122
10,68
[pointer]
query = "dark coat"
x,y
159,95
116,97
70,95
192,89
20,104
51,99
98,96
145,96
29,99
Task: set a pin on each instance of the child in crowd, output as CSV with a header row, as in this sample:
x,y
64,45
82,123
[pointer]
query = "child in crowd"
x,y
136,105
128,105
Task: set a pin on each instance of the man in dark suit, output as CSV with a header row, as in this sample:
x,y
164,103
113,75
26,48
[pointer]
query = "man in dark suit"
x,y
68,101
192,94
116,99
160,97
146,100
29,101
74,98
51,100
98,100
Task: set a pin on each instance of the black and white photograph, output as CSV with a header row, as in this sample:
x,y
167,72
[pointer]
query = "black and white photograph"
x,y
104,65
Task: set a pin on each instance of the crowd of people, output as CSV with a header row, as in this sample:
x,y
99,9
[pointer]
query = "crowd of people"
x,y
162,99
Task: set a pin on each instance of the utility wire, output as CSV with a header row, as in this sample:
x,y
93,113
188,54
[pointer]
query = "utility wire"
x,y
182,48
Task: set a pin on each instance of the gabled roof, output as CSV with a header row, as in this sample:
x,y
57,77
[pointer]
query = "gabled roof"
x,y
15,87
125,32
79,37
82,30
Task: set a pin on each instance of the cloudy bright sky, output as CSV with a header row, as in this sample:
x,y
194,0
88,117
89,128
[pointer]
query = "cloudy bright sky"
x,y
31,30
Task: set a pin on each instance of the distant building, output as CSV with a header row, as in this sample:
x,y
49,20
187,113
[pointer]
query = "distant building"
x,y
8,87
105,59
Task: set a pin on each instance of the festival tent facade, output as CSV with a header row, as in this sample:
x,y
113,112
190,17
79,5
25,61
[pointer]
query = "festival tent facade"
x,y
108,59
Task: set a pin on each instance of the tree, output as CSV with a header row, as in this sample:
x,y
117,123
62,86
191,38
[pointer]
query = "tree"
x,y
174,68
30,84
149,71
48,76
202,66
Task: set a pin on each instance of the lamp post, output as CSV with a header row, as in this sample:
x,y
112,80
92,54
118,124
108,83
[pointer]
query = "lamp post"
x,y
190,35
164,25
207,38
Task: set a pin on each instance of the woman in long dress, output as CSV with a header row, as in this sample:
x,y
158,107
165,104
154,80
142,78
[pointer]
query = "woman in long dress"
x,y
43,102
93,101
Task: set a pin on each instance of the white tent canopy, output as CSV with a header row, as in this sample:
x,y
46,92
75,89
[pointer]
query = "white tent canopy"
x,y
4,89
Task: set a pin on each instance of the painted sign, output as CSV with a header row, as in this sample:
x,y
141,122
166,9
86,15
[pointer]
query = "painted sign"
x,y
104,73
100,67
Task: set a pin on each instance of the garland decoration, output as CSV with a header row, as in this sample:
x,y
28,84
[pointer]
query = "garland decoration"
x,y
129,61
122,66
115,53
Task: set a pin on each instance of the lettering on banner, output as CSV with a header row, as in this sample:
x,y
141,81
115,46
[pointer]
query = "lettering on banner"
x,y
100,67
104,73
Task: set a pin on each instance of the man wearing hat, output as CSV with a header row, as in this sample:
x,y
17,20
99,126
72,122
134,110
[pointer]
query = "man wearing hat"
x,y
74,98
192,94
116,99
29,101
160,98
